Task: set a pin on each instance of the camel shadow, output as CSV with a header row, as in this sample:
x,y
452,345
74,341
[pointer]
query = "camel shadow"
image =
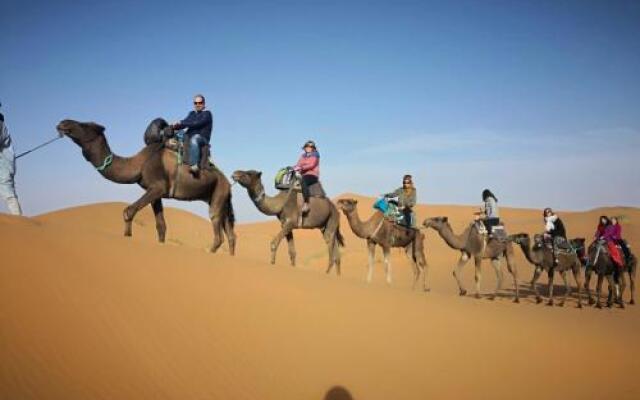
x,y
338,393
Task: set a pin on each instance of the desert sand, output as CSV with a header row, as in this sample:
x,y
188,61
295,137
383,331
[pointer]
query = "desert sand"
x,y
86,313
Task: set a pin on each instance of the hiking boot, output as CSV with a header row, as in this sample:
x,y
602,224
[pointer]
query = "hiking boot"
x,y
305,208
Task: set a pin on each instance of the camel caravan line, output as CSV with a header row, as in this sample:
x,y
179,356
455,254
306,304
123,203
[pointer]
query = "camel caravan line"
x,y
161,170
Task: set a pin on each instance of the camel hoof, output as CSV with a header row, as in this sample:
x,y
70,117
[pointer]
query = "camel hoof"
x,y
632,302
609,304
463,292
550,303
516,300
598,305
592,301
622,305
538,299
477,296
492,298
561,304
579,305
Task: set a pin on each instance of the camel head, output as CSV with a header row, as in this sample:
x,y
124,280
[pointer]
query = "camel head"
x,y
521,238
347,205
247,179
436,223
80,132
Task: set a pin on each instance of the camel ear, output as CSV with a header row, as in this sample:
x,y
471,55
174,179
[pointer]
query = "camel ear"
x,y
445,219
259,174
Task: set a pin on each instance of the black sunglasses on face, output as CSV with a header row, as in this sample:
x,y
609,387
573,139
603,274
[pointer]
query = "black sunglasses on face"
x,y
198,102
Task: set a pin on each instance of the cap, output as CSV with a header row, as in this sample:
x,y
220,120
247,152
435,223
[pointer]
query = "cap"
x,y
309,143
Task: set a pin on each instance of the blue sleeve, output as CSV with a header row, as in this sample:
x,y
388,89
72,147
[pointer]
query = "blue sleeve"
x,y
195,120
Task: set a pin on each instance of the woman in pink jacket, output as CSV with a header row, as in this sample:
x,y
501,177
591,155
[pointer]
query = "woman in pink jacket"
x,y
309,167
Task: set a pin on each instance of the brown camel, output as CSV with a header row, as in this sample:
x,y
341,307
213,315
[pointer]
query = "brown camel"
x,y
542,258
473,243
156,169
286,207
377,230
601,263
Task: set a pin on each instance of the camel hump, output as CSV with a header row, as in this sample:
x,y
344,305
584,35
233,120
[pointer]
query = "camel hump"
x,y
154,132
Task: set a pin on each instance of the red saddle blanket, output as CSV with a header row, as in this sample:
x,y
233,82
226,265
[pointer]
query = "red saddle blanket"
x,y
616,255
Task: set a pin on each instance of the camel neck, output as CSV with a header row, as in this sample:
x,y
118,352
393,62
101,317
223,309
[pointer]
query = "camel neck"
x,y
533,256
454,241
266,204
364,229
111,166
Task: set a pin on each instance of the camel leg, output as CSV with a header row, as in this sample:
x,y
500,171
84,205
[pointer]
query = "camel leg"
x,y
567,288
387,263
550,274
330,239
336,256
410,252
292,248
231,236
371,247
495,263
534,284
161,226
478,275
275,243
578,278
613,296
457,272
130,212
513,269
599,290
632,285
587,285
623,286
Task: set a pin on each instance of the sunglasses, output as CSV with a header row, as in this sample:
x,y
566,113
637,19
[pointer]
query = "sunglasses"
x,y
406,182
198,102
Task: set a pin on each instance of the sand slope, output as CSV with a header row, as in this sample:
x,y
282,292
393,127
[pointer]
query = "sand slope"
x,y
88,314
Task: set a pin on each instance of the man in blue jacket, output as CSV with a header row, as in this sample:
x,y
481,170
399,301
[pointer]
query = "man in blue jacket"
x,y
199,124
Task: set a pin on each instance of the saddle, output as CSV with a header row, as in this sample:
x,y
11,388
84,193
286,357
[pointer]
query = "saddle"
x,y
286,178
159,131
498,232
389,209
182,152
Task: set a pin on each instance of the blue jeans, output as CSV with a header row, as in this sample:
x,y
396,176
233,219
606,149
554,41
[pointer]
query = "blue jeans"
x,y
195,143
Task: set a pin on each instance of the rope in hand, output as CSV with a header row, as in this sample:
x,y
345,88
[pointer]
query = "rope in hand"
x,y
38,146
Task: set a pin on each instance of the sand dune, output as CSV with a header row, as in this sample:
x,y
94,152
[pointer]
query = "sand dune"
x,y
86,313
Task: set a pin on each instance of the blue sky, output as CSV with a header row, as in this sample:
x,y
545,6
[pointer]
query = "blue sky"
x,y
537,100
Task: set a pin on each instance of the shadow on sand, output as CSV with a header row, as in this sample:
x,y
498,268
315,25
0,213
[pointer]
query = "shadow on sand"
x,y
338,393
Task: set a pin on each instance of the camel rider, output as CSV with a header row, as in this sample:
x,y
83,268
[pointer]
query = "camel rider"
x,y
407,198
554,232
616,236
308,167
199,124
7,170
489,210
611,234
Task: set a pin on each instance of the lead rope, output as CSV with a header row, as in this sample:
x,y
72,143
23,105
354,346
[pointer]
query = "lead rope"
x,y
38,146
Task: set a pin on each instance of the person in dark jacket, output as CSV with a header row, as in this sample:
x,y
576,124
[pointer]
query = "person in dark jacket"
x,y
199,124
489,210
554,232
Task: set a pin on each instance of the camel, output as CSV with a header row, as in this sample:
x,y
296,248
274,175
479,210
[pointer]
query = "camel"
x,y
472,243
600,261
286,206
156,170
542,258
377,230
